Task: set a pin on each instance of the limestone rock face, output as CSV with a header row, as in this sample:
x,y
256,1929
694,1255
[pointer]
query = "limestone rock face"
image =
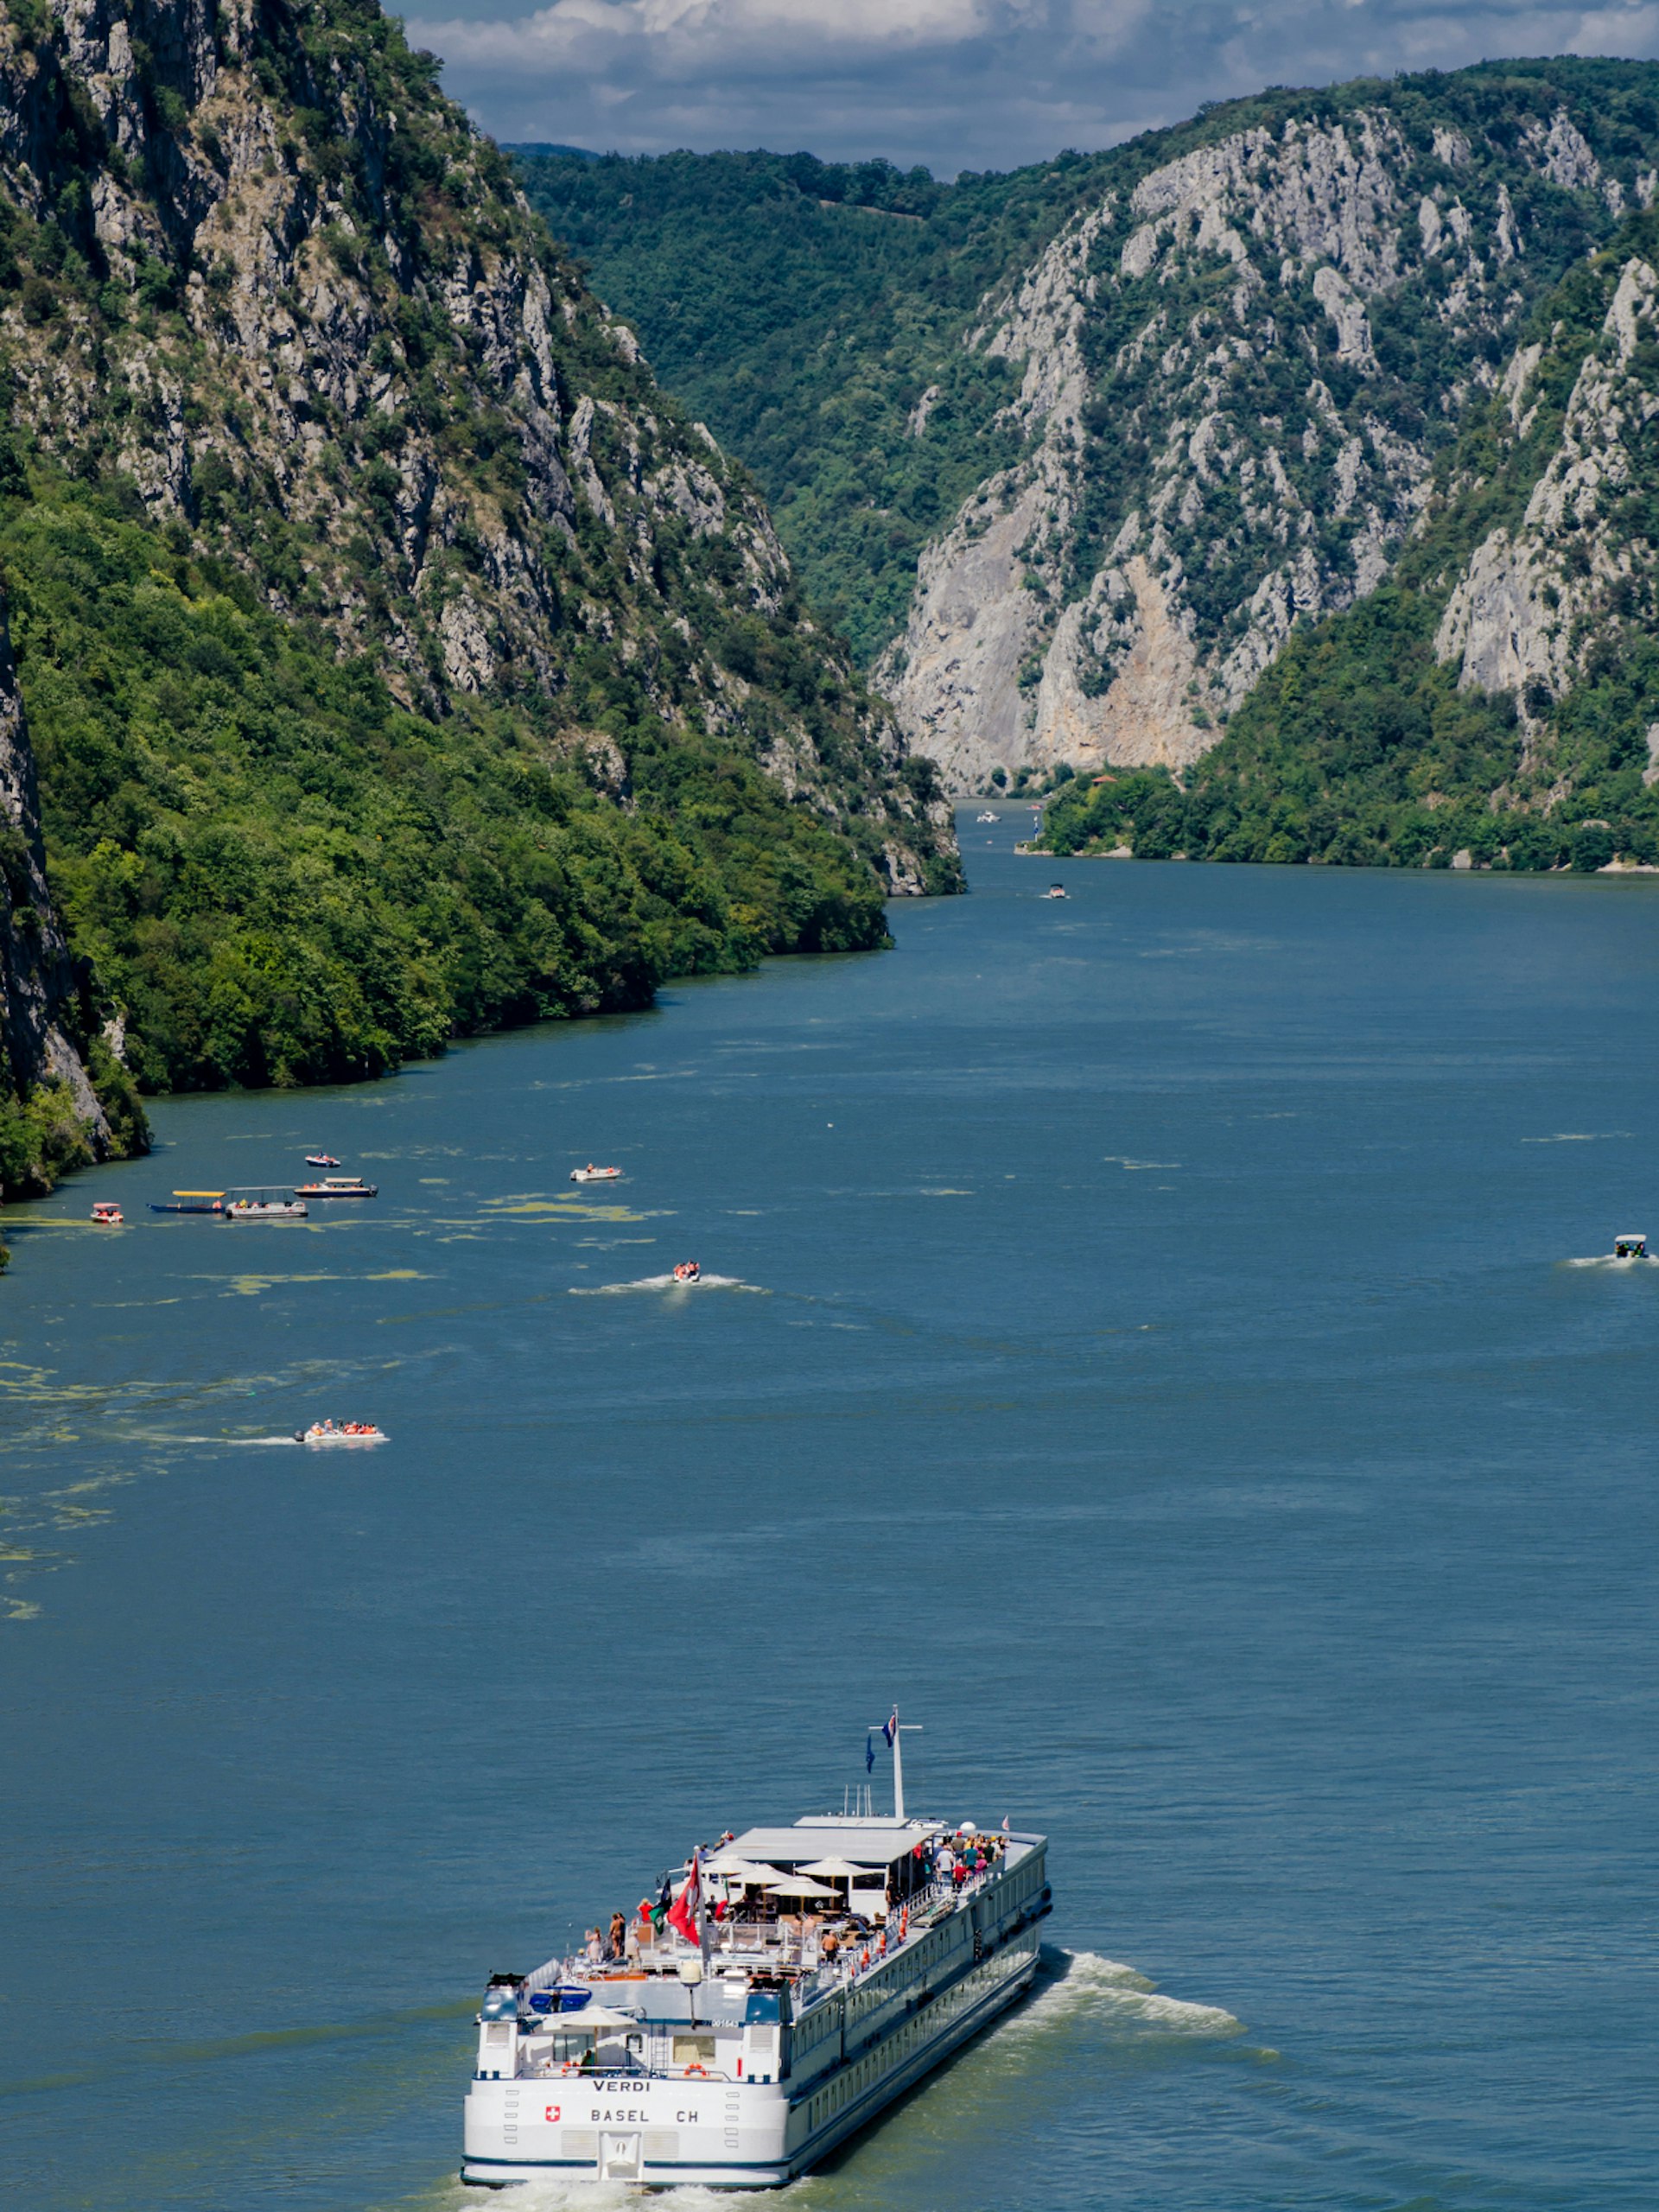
x,y
1235,375
1528,609
327,317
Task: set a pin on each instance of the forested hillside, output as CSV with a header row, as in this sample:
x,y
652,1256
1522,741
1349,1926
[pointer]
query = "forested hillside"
x,y
399,660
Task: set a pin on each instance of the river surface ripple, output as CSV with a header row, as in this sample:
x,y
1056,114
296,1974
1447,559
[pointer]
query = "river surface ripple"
x,y
1158,1363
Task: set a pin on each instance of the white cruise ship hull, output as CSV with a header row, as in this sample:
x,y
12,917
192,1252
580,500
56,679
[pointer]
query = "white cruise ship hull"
x,y
771,2099
725,2135
842,2065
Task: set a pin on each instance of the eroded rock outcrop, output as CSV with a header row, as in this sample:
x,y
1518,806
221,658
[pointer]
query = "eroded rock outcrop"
x,y
1235,375
46,1012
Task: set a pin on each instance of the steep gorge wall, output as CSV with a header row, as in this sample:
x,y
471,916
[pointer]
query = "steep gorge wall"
x,y
1237,372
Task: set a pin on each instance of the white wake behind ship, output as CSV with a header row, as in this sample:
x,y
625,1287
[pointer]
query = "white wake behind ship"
x,y
801,1979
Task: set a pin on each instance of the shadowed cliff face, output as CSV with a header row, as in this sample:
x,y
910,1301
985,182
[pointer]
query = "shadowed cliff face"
x,y
45,1009
1238,370
299,305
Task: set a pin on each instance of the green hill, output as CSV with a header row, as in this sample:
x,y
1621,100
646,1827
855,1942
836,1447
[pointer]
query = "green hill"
x,y
397,659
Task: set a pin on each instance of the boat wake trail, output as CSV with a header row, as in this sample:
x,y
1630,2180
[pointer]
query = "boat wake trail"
x,y
666,1282
1073,1984
1612,1260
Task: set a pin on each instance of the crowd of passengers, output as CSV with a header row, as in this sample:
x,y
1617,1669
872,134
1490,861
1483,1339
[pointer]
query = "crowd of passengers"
x,y
948,1865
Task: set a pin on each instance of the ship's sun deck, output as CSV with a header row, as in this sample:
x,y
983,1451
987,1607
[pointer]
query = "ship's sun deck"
x,y
808,1918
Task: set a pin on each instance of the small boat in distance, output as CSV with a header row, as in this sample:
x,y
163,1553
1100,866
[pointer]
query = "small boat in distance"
x,y
320,1160
1632,1246
989,816
191,1202
688,1271
107,1214
1055,891
341,1432
337,1187
592,1174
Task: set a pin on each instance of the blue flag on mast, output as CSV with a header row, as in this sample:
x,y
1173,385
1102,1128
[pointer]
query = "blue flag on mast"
x,y
870,1752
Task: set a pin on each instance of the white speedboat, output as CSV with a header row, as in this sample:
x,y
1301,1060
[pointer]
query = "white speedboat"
x,y
1633,1245
592,1174
1055,891
341,1432
989,818
688,1271
775,1997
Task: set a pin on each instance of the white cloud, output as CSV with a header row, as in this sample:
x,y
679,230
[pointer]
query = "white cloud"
x,y
954,83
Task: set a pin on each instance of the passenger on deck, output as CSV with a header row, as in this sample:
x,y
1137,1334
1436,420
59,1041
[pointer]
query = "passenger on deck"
x,y
619,1928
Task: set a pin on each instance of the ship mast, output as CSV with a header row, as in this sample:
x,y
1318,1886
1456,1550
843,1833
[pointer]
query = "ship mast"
x,y
896,1732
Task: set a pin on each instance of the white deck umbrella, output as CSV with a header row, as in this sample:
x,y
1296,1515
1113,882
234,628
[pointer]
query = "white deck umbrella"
x,y
842,1869
585,2017
799,1885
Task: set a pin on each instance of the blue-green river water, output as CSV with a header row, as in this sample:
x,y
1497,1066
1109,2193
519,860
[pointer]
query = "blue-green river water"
x,y
1159,1364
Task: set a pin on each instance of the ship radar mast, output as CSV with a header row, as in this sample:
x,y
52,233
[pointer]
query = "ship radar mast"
x,y
894,1731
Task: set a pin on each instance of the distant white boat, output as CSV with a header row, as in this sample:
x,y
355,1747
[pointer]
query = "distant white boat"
x,y
592,1174
990,818
1055,891
341,1432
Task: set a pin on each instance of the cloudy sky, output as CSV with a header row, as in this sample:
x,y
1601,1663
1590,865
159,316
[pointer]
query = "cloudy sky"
x,y
957,83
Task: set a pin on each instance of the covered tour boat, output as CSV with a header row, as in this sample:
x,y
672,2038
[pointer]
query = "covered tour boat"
x,y
781,1991
337,1187
107,1214
1632,1246
190,1202
264,1202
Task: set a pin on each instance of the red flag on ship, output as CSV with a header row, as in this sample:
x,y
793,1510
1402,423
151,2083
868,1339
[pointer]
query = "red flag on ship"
x,y
683,1913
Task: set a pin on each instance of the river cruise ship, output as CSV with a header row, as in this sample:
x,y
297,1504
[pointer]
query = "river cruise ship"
x,y
785,1988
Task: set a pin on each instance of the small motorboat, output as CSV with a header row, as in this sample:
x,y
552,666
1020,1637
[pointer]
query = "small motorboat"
x,y
267,1210
1632,1246
320,1160
688,1271
989,818
341,1432
592,1174
1055,891
337,1187
107,1214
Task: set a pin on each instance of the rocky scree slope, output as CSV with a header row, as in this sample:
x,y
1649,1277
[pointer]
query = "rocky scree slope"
x,y
330,488
1239,366
1491,705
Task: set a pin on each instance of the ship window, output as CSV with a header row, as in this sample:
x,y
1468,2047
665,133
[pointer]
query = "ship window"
x,y
693,2051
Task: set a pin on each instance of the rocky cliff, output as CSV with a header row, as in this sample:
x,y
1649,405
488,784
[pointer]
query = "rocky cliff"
x,y
284,345
1489,704
51,1115
1238,368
